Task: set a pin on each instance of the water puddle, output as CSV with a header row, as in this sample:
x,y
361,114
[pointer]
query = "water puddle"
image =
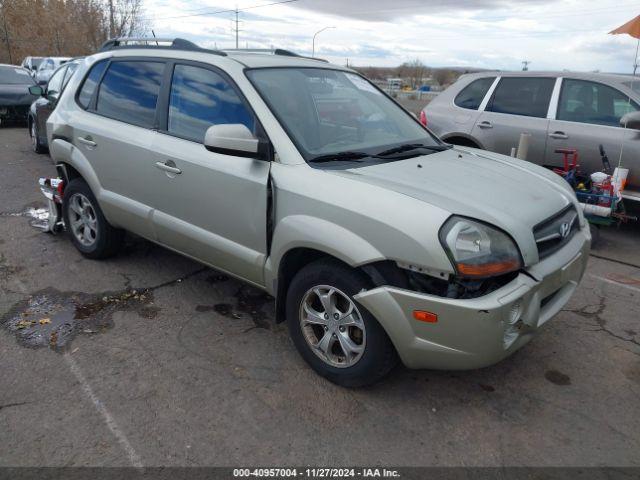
x,y
38,216
50,318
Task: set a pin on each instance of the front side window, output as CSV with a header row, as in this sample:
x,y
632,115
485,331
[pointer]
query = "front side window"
x,y
201,98
54,87
129,92
70,71
472,95
89,85
329,112
590,102
522,96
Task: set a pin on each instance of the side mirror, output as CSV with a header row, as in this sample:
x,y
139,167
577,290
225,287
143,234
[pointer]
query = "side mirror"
x,y
235,139
631,120
36,90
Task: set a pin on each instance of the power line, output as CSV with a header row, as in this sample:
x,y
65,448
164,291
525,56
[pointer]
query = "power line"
x,y
232,10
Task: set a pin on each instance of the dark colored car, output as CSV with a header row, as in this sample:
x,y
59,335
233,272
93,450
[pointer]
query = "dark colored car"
x,y
44,105
15,96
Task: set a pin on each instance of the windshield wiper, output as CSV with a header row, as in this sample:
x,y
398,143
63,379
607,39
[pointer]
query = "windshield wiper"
x,y
407,147
349,156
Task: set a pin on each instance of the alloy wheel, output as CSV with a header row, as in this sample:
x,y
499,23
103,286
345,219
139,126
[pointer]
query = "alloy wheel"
x,y
83,220
332,326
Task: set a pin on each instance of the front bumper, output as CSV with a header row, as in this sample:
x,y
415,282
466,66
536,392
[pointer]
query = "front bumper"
x,y
479,332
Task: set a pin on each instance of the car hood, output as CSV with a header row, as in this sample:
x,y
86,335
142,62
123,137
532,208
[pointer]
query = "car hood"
x,y
511,194
15,95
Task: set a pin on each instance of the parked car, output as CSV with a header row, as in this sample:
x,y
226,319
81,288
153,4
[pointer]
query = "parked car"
x,y
14,93
47,67
376,239
47,99
490,110
32,64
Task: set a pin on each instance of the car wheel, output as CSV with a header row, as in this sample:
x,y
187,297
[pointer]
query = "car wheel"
x,y
337,337
90,232
35,140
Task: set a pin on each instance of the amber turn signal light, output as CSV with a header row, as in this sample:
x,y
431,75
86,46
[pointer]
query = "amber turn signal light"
x,y
423,316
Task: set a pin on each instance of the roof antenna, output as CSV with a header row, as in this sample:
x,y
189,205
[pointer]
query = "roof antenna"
x,y
154,36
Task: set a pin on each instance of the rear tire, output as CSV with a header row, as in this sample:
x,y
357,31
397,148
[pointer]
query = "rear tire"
x,y
36,145
349,349
89,230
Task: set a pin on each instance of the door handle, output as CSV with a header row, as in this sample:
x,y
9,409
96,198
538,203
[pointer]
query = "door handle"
x,y
168,168
88,141
485,124
559,135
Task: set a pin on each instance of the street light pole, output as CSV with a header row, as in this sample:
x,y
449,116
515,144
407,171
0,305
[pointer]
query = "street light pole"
x,y
313,43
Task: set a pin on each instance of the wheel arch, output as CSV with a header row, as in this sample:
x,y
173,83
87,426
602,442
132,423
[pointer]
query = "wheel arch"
x,y
462,139
344,247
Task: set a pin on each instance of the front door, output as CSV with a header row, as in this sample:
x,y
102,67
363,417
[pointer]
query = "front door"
x,y
589,116
518,105
210,206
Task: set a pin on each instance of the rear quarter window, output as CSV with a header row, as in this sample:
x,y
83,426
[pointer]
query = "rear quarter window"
x,y
471,96
90,82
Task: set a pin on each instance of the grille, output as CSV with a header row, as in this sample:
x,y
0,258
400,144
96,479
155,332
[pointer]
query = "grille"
x,y
552,234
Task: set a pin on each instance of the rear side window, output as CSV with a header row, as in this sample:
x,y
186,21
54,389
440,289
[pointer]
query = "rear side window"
x,y
89,85
200,98
472,95
522,96
129,92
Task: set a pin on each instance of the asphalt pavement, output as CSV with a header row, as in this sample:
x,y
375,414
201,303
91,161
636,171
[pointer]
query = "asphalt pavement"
x,y
173,363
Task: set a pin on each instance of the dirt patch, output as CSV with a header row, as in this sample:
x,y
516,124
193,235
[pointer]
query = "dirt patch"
x,y
53,318
557,377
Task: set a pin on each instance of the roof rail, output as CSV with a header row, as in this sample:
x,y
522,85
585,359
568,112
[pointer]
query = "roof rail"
x,y
153,42
272,51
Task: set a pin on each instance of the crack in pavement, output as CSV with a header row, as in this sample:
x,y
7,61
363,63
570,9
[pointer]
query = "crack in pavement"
x,y
585,312
16,404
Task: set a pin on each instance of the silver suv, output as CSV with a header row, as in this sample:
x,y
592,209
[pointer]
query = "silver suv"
x,y
560,110
377,240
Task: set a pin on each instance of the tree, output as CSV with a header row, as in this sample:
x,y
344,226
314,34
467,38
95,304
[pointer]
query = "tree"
x,y
64,27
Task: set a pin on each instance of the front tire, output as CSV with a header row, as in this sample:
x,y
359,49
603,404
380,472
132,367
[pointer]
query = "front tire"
x,y
36,145
338,338
90,232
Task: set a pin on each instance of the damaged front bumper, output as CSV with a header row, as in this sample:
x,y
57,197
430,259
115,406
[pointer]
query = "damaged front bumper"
x,y
52,189
475,333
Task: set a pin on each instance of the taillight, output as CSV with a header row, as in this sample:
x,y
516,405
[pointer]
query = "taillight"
x,y
423,118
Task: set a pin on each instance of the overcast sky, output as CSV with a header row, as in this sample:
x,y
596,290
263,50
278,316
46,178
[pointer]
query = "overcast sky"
x,y
552,34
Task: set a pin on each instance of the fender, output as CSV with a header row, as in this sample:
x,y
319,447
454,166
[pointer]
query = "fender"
x,y
304,231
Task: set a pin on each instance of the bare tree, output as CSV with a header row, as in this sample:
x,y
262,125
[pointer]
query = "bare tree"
x,y
64,27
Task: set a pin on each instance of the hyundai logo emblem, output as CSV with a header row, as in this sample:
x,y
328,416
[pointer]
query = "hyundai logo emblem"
x,y
565,228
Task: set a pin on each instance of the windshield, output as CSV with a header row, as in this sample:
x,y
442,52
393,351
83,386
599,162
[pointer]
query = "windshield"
x,y
35,62
330,112
15,76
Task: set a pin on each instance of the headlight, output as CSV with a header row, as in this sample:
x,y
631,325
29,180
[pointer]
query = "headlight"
x,y
478,250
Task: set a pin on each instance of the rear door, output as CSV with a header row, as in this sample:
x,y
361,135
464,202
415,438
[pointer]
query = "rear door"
x,y
588,115
518,105
116,135
215,208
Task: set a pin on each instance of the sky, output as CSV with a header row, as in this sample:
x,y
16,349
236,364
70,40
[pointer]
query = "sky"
x,y
493,34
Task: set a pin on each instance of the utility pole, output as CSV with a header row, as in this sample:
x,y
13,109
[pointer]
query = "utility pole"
x,y
6,32
525,65
237,27
111,22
